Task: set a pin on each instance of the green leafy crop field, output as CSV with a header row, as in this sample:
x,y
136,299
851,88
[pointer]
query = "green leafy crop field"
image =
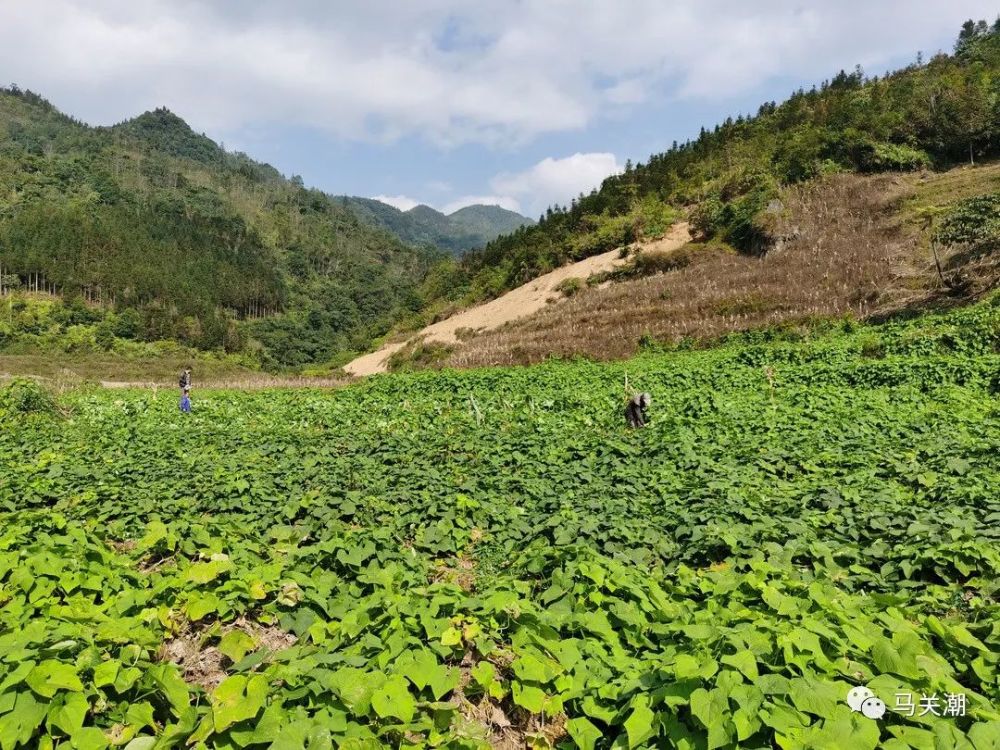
x,y
490,558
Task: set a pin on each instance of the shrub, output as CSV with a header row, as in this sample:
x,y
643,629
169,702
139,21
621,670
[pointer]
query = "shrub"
x,y
656,216
872,346
104,336
77,338
608,233
22,396
873,156
890,157
127,324
797,157
974,222
736,212
75,312
706,218
570,286
652,263
419,356
648,342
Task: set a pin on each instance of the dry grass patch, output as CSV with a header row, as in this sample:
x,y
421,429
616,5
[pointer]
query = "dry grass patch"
x,y
515,730
846,245
206,665
459,571
419,354
500,723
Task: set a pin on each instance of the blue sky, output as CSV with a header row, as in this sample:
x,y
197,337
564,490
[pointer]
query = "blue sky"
x,y
516,102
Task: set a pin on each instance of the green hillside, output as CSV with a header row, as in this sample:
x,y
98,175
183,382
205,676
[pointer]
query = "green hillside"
x,y
149,231
160,227
468,228
931,114
490,559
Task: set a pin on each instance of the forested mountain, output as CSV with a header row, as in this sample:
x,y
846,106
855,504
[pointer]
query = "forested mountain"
x,y
468,228
158,225
931,114
162,234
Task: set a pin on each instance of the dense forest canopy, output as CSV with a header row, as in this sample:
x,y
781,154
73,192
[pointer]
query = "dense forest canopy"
x,y
199,244
928,115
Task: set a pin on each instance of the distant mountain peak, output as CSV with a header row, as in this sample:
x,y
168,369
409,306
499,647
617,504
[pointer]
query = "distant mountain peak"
x,y
162,115
169,132
423,209
464,229
484,209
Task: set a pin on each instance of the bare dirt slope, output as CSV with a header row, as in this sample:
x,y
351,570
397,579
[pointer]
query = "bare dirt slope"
x,y
374,362
518,303
846,245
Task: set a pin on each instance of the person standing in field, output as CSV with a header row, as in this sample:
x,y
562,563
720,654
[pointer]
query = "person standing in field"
x,y
185,385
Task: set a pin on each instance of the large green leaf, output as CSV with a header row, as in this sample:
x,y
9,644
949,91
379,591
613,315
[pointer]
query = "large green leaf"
x,y
583,732
393,699
640,724
68,714
238,698
711,708
49,677
529,697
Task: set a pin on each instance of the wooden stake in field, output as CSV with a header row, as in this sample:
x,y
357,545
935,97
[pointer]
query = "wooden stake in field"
x,y
630,392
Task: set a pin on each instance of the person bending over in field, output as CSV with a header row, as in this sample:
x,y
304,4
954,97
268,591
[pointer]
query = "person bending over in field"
x,y
635,410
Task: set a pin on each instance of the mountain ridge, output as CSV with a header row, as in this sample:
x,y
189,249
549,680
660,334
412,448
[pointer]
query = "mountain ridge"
x,y
464,229
173,237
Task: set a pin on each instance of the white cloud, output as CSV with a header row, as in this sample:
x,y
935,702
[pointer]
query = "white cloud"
x,y
553,181
504,201
630,91
402,202
446,71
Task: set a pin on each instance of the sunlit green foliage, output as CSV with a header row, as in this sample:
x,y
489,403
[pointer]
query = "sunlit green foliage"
x,y
20,396
800,516
974,222
51,326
